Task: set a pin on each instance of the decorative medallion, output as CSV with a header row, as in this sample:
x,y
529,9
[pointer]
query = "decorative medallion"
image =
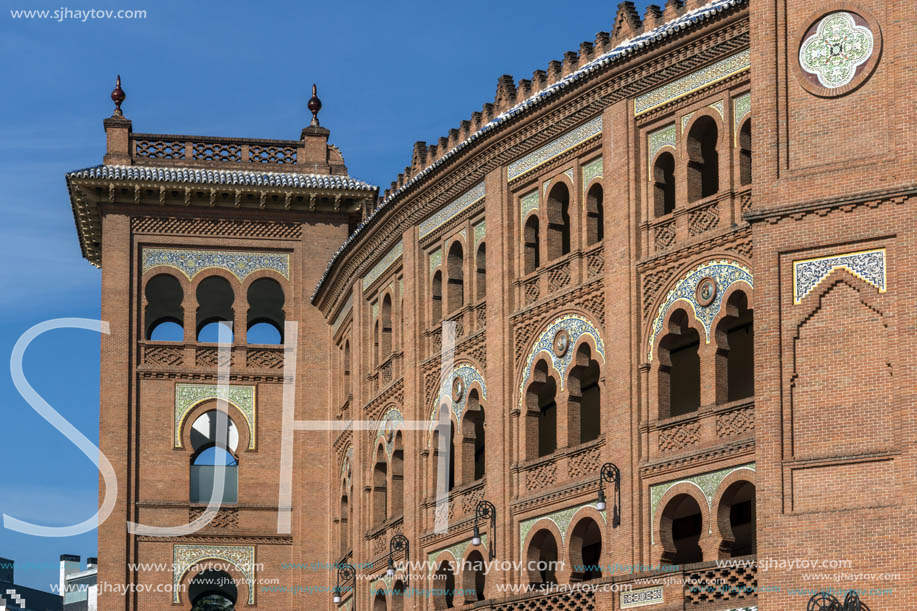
x,y
458,389
184,557
463,376
239,264
187,396
705,292
388,425
575,327
723,273
867,265
836,48
561,343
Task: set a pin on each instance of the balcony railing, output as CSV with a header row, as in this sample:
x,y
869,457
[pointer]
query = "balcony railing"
x,y
685,224
468,320
707,426
565,465
171,355
252,154
560,275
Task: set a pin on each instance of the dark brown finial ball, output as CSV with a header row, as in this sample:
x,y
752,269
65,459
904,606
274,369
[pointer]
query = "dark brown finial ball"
x,y
314,104
117,96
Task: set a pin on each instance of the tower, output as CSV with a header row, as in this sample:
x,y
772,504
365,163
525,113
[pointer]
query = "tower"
x,y
191,231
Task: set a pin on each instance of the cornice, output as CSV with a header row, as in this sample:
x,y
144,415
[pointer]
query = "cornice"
x,y
523,135
870,199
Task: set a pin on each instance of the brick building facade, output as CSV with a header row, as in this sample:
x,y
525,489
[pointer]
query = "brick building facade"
x,y
681,250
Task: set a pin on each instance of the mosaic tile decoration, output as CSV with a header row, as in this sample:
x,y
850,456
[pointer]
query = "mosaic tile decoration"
x,y
569,174
556,147
187,396
480,232
643,597
741,106
384,263
375,310
449,211
239,264
469,374
685,120
527,203
184,557
836,49
591,170
576,327
867,265
561,519
726,273
708,483
388,425
436,257
464,234
386,582
658,140
457,551
692,82
343,312
718,107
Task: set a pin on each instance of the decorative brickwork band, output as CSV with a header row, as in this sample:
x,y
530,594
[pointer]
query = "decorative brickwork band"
x,y
693,82
867,265
187,396
554,148
193,262
184,557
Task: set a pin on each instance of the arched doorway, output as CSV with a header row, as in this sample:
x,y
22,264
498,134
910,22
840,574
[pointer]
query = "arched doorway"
x,y
212,591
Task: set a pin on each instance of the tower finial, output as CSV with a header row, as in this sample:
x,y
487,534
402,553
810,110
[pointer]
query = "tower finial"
x,y
314,105
117,96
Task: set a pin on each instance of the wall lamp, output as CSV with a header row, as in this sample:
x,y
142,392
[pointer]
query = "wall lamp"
x,y
346,572
485,510
610,473
399,543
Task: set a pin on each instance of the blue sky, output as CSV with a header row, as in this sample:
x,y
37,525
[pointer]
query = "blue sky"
x,y
389,74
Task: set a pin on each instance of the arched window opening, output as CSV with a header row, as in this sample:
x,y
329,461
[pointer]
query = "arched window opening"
x,y
444,580
399,593
737,327
347,388
558,209
679,368
595,215
386,341
204,431
452,434
436,296
682,525
214,305
473,577
206,466
584,408
213,591
344,522
532,253
481,266
586,550
542,558
745,153
165,316
541,400
397,503
473,439
379,492
703,159
456,277
265,312
379,601
738,521
664,184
